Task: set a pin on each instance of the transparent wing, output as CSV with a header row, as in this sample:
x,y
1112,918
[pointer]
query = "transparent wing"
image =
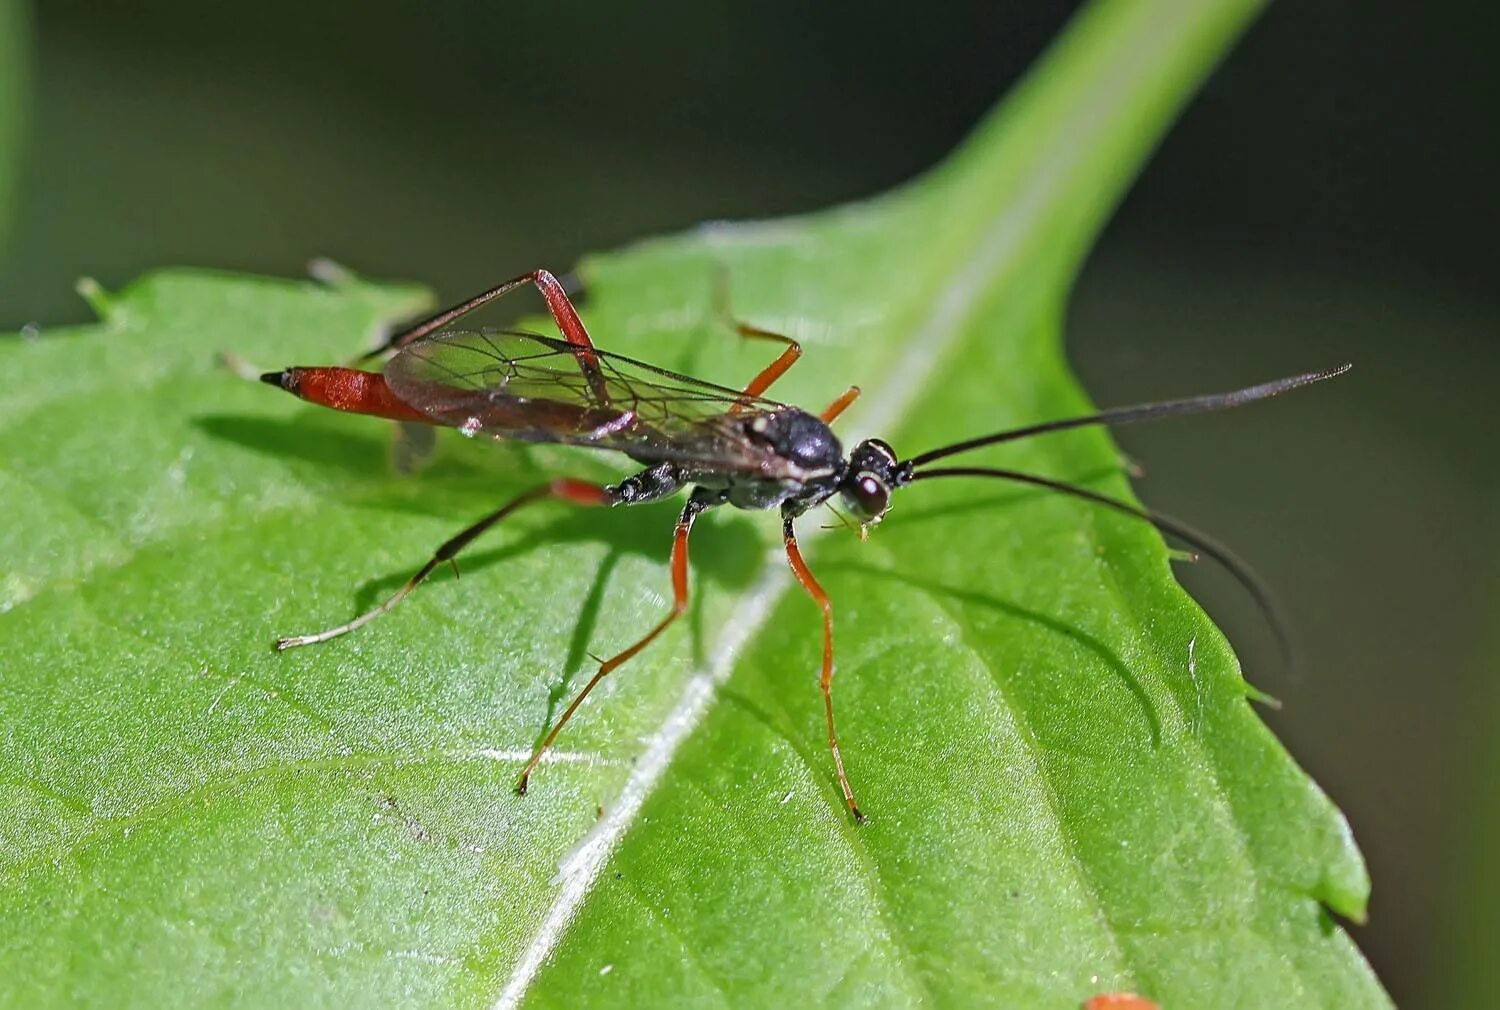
x,y
520,386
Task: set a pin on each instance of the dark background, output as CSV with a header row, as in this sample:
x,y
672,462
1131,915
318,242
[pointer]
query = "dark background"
x,y
1330,196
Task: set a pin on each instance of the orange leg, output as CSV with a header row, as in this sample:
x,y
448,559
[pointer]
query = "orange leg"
x,y
563,489
776,369
558,303
699,503
837,407
825,681
551,288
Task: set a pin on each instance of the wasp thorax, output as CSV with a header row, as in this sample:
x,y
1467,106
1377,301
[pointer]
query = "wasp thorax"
x,y
798,437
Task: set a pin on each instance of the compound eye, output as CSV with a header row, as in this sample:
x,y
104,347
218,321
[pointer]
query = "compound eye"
x,y
869,497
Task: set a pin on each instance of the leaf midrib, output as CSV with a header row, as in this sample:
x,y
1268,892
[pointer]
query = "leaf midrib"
x,y
1000,233
906,378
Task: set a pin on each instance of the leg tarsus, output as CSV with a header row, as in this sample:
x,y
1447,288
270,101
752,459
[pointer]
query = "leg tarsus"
x,y
700,502
562,488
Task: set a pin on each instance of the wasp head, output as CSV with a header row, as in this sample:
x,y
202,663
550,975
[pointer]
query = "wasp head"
x,y
872,473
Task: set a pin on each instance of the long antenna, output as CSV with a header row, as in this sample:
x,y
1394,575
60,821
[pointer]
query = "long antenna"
x,y
1233,564
1142,412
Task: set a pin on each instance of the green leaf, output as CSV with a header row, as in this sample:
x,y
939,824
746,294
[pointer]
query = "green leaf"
x,y
1068,791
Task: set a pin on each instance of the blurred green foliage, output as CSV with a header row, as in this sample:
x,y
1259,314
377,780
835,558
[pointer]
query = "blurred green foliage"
x,y
15,64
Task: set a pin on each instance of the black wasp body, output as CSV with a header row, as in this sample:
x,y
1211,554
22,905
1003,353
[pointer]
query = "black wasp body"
x,y
730,447
797,463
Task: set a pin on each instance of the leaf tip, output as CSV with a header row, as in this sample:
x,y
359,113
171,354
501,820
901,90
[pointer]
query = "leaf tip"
x,y
102,302
1255,694
331,273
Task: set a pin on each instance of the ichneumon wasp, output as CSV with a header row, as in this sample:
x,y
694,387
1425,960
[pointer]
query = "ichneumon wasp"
x,y
724,446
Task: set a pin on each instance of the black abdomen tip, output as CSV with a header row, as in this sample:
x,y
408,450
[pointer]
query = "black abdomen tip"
x,y
278,379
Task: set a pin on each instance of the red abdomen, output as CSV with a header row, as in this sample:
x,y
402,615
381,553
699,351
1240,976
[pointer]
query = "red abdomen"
x,y
346,389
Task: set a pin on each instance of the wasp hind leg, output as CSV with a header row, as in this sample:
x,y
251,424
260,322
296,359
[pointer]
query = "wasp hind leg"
x,y
701,501
561,489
